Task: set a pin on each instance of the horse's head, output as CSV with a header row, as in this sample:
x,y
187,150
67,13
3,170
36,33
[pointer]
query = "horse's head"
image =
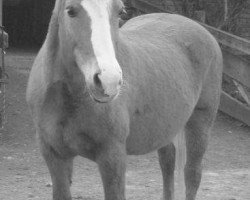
x,y
89,29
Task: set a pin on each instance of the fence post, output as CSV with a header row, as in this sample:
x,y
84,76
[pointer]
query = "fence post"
x,y
1,12
1,72
3,38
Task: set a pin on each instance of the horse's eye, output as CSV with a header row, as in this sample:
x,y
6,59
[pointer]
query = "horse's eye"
x,y
122,11
72,11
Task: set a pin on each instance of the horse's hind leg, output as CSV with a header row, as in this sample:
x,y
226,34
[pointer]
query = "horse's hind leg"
x,y
60,171
197,133
198,127
167,162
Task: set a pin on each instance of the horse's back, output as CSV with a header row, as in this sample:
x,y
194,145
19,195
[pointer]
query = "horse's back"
x,y
181,44
171,28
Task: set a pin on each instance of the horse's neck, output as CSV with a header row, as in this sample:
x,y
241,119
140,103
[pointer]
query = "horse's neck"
x,y
52,52
123,52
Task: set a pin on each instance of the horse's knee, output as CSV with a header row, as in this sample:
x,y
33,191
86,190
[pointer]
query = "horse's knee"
x,y
112,166
60,171
167,158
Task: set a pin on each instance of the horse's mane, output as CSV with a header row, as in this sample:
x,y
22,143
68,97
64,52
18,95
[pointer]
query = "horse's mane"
x,y
52,38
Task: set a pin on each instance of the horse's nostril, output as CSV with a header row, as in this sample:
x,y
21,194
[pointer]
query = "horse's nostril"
x,y
105,84
97,80
120,82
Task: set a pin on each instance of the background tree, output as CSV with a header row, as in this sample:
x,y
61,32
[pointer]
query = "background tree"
x,y
232,10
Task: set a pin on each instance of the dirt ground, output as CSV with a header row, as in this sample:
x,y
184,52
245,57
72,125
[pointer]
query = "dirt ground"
x,y
24,175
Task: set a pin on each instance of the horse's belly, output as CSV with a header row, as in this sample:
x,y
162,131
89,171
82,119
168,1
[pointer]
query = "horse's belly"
x,y
144,139
152,127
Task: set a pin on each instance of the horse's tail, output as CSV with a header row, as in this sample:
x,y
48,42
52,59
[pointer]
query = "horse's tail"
x,y
180,161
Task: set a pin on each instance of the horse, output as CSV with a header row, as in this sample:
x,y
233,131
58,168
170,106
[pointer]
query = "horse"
x,y
104,93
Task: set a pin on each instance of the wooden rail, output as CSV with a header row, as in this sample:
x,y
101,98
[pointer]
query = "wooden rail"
x,y
237,67
234,108
235,51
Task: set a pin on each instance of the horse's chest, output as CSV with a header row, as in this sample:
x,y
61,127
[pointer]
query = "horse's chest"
x,y
62,123
58,107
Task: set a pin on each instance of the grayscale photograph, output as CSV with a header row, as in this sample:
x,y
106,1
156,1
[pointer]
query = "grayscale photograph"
x,y
124,99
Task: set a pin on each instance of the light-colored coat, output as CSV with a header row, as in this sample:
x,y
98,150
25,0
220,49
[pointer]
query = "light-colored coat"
x,y
172,70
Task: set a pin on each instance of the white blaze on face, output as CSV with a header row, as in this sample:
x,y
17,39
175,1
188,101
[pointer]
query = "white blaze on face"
x,y
101,39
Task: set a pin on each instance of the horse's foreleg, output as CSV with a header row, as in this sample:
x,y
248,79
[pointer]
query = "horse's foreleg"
x,y
197,132
60,171
167,162
112,165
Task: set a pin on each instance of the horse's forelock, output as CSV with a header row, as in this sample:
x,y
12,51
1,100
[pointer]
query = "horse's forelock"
x,y
59,5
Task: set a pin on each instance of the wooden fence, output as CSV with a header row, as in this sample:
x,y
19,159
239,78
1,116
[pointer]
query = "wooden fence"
x,y
236,55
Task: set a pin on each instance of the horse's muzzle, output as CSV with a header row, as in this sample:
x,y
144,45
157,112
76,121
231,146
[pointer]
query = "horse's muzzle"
x,y
106,86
